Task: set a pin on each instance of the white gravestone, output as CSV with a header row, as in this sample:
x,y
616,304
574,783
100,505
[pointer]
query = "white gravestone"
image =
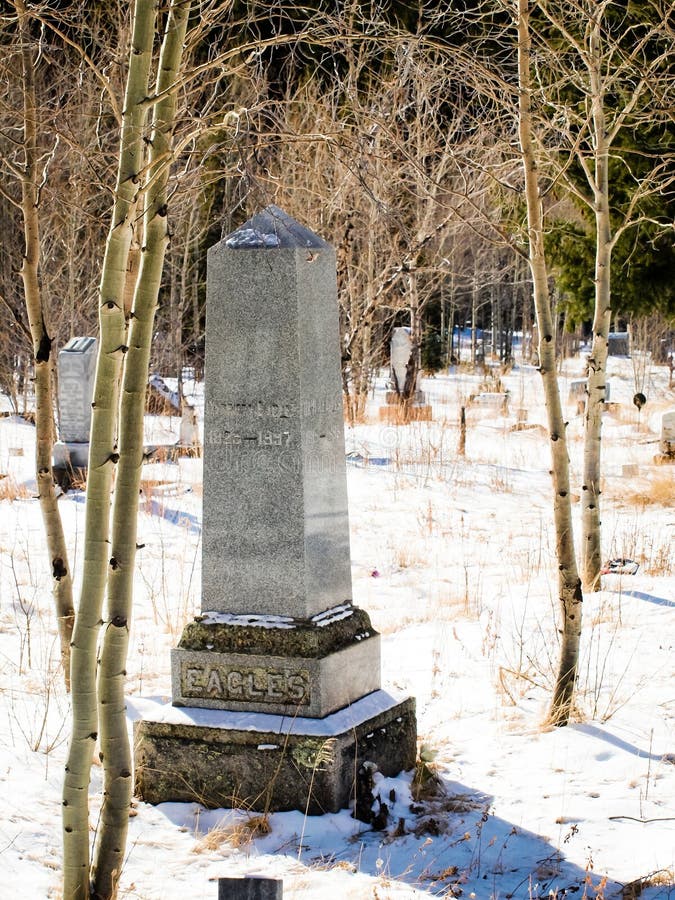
x,y
667,444
77,371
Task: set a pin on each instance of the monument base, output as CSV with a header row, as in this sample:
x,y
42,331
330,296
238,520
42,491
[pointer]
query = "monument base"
x,y
277,664
400,414
269,763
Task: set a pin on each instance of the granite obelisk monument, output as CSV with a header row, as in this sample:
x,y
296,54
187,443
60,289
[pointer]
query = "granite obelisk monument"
x,y
278,635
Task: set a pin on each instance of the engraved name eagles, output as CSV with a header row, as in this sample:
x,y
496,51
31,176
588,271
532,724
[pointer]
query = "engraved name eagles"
x,y
215,681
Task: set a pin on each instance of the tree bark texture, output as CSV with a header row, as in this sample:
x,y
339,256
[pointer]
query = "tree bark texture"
x,y
62,585
597,361
115,748
569,583
103,455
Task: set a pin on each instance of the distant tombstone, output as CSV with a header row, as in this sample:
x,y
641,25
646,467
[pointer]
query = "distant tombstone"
x,y
77,371
618,343
278,634
189,430
252,887
578,391
400,348
495,400
667,442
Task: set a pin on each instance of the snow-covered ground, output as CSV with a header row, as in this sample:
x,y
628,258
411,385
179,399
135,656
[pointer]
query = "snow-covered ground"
x,y
454,560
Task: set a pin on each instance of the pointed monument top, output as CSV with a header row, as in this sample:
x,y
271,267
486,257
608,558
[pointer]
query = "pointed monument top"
x,y
273,228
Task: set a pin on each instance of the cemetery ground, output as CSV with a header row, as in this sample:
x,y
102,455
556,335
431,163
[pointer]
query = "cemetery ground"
x,y
454,560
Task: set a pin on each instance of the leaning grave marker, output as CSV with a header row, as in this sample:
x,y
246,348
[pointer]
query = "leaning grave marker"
x,y
77,371
276,685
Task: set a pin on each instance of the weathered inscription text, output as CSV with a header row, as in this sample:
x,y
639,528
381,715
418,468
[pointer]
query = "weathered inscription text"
x,y
215,681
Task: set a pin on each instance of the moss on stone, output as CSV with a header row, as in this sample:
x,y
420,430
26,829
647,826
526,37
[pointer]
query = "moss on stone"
x,y
304,639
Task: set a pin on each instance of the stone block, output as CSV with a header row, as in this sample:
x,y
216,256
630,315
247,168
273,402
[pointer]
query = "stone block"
x,y
77,370
286,684
311,667
264,762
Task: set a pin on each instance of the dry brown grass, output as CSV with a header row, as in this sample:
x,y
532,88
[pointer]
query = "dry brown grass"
x,y
237,835
659,490
11,490
408,556
633,889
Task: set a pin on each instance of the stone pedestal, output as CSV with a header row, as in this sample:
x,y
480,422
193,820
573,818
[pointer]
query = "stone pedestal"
x,y
295,667
278,638
270,763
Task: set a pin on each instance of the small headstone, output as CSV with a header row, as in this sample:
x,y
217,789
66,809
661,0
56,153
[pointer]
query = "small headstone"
x,y
491,400
618,343
77,372
416,408
667,442
189,430
401,348
577,390
252,887
77,368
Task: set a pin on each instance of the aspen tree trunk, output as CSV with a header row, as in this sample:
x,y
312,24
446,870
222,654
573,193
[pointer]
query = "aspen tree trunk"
x,y
62,584
103,456
597,362
115,748
569,584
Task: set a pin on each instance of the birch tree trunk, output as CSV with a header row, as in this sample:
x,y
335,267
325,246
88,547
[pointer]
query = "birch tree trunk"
x,y
115,748
103,456
62,584
569,584
597,362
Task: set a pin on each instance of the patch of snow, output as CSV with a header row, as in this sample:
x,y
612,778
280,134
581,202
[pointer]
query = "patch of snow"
x,y
247,238
343,611
213,617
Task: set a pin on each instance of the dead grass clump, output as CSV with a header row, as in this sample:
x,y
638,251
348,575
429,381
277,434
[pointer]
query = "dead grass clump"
x,y
660,878
657,491
409,557
11,490
239,834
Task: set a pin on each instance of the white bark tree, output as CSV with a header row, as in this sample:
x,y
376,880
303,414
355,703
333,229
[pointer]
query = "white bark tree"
x,y
603,72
